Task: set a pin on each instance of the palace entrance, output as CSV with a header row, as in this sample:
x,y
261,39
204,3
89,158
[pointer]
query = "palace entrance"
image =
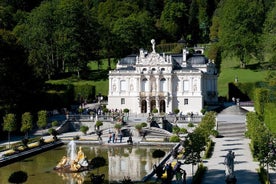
x,y
144,106
152,105
162,106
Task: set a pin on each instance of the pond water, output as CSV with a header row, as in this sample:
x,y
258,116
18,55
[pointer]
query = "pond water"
x,y
133,161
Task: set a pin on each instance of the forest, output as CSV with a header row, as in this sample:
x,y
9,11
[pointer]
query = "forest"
x,y
53,39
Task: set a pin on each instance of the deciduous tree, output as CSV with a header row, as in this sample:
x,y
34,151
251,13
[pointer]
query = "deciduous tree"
x,y
42,119
240,24
9,124
26,123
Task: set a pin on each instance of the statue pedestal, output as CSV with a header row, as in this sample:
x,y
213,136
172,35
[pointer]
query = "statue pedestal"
x,y
230,180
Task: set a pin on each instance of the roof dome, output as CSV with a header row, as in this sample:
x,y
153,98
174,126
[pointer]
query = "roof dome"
x,y
197,60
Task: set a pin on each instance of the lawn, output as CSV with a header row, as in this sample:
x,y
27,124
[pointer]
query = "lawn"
x,y
230,70
243,76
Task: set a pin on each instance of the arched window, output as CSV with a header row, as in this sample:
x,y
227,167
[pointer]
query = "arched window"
x,y
144,85
163,85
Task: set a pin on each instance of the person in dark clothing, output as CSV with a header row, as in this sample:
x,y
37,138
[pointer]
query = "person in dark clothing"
x,y
178,172
184,177
170,174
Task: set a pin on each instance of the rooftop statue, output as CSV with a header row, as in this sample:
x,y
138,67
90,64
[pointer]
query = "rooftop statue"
x,y
153,45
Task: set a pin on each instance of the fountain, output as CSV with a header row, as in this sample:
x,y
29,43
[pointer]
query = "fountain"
x,y
74,161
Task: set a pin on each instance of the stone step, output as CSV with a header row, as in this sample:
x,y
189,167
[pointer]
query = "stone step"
x,y
233,135
231,129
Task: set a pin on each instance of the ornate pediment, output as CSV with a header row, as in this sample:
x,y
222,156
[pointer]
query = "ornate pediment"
x,y
152,58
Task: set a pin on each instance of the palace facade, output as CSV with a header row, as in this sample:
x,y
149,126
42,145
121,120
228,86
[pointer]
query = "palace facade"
x,y
148,81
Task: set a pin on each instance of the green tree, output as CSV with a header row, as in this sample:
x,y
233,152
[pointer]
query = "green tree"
x,y
194,36
77,33
42,119
132,33
60,35
36,30
240,26
173,16
16,78
269,38
26,123
9,124
194,145
108,13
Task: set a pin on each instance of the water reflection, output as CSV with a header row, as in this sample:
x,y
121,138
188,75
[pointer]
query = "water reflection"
x,y
73,178
132,161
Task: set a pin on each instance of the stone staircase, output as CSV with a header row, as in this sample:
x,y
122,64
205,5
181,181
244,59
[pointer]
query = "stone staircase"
x,y
231,129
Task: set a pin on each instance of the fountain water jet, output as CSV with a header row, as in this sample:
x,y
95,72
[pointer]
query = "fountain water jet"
x,y
74,161
71,151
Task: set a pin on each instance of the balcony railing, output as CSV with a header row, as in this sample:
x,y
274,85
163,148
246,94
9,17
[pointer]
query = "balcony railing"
x,y
144,94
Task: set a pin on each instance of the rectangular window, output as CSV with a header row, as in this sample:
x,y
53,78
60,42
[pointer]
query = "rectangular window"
x,y
185,85
185,101
123,85
123,101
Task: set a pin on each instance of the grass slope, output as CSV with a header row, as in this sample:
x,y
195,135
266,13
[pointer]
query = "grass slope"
x,y
230,69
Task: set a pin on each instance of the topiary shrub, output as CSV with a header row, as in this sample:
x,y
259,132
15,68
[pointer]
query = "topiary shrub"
x,y
183,131
176,111
138,127
176,129
155,110
54,123
98,124
84,129
174,138
54,133
191,125
144,124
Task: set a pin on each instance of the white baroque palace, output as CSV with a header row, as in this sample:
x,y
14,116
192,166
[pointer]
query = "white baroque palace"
x,y
148,81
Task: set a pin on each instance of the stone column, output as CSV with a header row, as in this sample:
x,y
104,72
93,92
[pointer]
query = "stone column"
x,y
148,104
157,84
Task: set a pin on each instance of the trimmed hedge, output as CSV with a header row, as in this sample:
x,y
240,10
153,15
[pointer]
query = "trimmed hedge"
x,y
197,178
65,94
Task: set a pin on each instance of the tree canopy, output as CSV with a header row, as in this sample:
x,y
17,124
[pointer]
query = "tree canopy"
x,y
49,39
240,26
